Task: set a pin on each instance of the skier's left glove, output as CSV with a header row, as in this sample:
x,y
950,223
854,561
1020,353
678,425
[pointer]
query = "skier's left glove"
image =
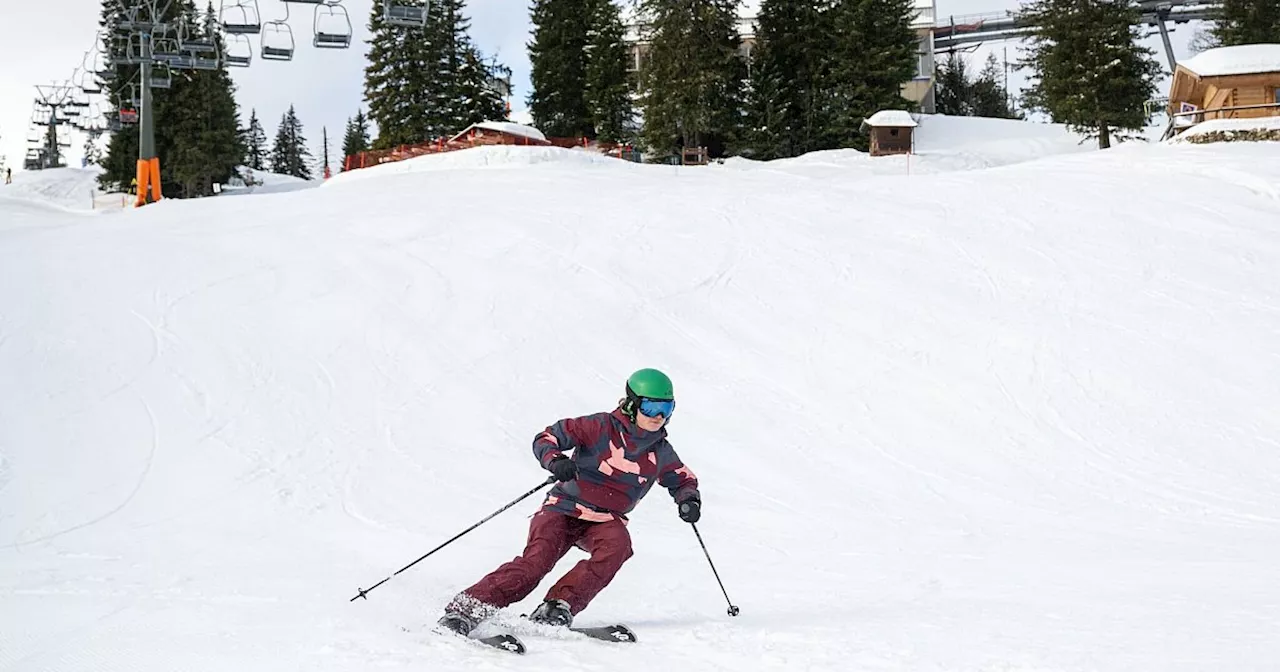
x,y
690,510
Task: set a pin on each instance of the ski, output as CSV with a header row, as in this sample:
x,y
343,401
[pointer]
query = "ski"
x,y
608,633
503,642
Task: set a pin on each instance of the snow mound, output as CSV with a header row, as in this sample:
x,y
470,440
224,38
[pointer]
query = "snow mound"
x,y
484,157
944,144
70,188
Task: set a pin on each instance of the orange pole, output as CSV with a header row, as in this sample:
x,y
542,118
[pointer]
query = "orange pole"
x,y
155,179
143,175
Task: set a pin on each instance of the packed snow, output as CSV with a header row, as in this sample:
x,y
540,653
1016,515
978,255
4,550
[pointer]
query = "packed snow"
x,y
71,188
1016,418
1235,60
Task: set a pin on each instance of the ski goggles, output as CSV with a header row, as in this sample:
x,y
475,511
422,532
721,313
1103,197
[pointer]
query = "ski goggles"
x,y
657,407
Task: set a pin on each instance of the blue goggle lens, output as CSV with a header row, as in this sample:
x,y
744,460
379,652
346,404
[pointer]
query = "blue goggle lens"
x,y
657,407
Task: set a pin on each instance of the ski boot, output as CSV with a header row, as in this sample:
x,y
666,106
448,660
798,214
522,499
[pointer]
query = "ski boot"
x,y
553,612
457,622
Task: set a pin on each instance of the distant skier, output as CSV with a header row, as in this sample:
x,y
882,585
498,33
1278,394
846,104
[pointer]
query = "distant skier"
x,y
8,176
617,456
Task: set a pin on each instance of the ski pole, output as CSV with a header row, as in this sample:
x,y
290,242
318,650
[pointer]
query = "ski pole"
x,y
733,611
362,593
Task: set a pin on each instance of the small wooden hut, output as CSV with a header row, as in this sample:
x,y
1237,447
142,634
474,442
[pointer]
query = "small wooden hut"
x,y
891,132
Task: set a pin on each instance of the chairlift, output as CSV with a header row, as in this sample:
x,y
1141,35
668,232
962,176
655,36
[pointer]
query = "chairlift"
x,y
408,16
206,62
165,48
126,50
240,17
193,45
89,85
128,116
332,26
161,76
277,41
239,53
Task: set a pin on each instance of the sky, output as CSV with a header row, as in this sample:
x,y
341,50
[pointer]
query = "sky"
x,y
325,86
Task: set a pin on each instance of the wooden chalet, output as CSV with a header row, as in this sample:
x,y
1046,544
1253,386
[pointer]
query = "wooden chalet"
x,y
1239,82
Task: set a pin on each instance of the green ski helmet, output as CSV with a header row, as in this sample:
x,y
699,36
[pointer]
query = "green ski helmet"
x,y
648,384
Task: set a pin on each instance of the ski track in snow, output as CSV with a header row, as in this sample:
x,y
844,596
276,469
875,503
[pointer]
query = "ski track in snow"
x,y
1018,418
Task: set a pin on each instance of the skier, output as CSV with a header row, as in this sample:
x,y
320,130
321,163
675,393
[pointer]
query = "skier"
x,y
616,457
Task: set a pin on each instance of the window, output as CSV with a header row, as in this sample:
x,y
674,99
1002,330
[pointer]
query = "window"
x,y
1276,94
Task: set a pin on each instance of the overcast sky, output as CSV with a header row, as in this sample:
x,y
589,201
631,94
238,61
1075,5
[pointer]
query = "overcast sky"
x,y
44,41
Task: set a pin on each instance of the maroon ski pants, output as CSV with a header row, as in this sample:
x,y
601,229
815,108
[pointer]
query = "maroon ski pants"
x,y
551,535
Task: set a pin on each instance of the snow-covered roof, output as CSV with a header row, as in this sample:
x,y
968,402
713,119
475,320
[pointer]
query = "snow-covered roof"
x,y
891,118
507,127
1242,59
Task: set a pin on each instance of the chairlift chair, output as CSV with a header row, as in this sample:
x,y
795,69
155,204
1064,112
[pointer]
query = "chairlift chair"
x,y
277,41
332,26
126,50
408,16
128,116
239,53
193,45
165,48
161,76
205,62
240,17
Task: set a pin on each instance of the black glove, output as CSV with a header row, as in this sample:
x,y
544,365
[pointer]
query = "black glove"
x,y
690,510
564,469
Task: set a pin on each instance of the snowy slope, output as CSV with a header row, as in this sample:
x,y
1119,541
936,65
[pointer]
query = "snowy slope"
x,y
943,144
72,188
1012,419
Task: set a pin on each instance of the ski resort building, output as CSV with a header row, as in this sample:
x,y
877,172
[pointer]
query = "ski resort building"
x,y
919,90
1238,83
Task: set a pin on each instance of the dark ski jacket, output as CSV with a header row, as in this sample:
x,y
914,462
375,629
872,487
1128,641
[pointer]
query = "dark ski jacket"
x,y
617,464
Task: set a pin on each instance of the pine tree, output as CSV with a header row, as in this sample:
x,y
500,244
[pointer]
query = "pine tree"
x,y
205,145
429,82
120,163
1247,22
289,154
325,170
356,138
789,78
960,95
471,90
254,141
693,76
396,80
196,134
953,88
875,52
558,59
608,86
1090,71
990,99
